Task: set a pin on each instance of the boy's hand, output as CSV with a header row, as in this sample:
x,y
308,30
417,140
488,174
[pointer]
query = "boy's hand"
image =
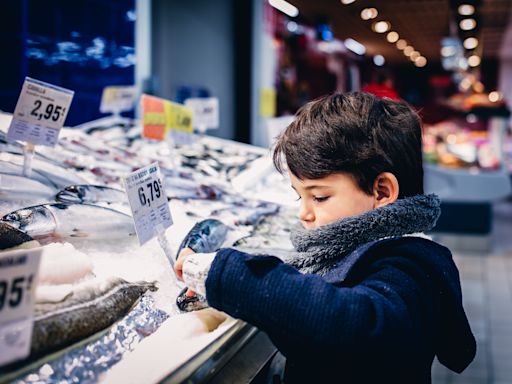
x,y
178,267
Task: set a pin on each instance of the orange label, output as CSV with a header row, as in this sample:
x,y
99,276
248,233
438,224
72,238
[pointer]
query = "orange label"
x,y
153,120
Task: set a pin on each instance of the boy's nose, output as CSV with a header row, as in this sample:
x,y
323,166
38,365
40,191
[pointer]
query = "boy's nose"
x,y
305,213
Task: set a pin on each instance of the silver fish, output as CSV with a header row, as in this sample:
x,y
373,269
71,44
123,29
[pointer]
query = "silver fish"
x,y
71,221
91,194
9,168
13,187
86,311
59,175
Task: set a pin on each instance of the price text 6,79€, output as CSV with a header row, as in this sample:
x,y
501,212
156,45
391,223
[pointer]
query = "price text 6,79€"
x,y
150,193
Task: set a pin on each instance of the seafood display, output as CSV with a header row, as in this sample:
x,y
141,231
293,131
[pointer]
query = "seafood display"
x,y
74,205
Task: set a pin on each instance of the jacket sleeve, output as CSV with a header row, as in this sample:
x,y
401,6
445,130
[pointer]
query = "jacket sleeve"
x,y
383,308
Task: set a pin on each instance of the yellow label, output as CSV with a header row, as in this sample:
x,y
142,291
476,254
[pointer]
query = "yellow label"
x,y
268,102
178,117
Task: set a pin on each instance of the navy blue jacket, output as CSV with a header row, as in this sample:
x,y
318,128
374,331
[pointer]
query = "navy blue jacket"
x,y
380,316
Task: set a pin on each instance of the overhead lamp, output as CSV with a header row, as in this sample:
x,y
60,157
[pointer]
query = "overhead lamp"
x,y
449,50
414,55
369,13
470,43
381,26
401,44
285,7
494,96
466,9
355,46
408,50
392,37
478,87
420,61
474,61
347,2
467,24
379,60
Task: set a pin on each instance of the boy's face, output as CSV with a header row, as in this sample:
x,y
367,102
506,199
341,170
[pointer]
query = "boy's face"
x,y
330,198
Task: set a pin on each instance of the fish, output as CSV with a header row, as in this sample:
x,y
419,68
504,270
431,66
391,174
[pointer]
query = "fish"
x,y
59,175
190,303
204,237
9,168
15,188
71,221
88,309
87,193
12,238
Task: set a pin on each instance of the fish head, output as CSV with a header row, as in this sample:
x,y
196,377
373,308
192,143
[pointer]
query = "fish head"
x,y
72,194
34,221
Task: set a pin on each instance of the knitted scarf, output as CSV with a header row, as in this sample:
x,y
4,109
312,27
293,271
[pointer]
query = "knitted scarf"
x,y
319,249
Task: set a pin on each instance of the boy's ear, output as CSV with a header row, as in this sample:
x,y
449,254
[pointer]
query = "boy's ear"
x,y
385,189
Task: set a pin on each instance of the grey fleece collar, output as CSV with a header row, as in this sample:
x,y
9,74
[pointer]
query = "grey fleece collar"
x,y
319,249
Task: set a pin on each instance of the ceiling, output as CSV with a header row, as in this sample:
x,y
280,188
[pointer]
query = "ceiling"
x,y
423,23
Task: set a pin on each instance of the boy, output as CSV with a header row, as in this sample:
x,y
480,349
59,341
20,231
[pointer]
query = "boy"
x,y
366,298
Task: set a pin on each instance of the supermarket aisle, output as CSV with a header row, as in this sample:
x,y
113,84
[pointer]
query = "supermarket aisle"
x,y
487,289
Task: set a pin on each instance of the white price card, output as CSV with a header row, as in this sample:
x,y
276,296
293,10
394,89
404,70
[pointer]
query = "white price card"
x,y
40,113
148,201
205,110
18,279
118,98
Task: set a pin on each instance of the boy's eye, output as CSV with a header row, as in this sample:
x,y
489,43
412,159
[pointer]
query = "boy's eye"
x,y
320,199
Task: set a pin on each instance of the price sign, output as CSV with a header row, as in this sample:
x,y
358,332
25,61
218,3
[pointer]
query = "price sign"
x,y
118,98
18,278
205,111
163,118
268,98
40,112
148,201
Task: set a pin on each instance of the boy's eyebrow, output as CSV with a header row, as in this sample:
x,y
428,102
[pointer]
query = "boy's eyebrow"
x,y
309,187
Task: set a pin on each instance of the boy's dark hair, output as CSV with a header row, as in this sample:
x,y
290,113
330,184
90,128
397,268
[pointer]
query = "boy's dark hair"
x,y
355,133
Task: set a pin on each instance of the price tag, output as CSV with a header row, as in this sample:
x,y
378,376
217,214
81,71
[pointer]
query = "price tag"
x,y
18,279
163,118
40,113
118,98
148,201
205,112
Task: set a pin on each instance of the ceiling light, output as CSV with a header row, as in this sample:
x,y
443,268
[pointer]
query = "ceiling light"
x,y
470,43
401,44
379,60
381,26
494,96
467,24
408,50
466,9
478,87
420,61
285,7
474,61
415,55
369,13
448,51
346,2
392,37
355,46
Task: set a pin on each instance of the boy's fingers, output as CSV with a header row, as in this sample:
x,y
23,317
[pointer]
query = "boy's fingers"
x,y
190,293
178,266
